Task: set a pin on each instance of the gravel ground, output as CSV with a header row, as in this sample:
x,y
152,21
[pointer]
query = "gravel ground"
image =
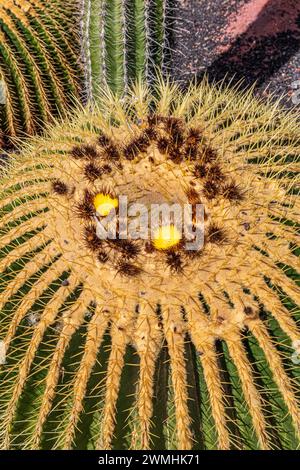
x,y
254,40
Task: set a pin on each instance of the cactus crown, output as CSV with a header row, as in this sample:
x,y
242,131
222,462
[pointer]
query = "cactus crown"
x,y
39,67
199,334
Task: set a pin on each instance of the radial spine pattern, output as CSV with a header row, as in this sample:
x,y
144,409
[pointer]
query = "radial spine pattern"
x,y
122,344
39,65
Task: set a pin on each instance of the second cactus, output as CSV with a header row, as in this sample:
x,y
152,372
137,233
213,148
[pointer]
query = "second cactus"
x,y
124,40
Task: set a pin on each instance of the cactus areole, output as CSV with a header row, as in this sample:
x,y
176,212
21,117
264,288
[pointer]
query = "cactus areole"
x,y
195,325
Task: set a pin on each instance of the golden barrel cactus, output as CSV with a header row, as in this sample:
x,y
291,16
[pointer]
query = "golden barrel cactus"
x,y
40,70
136,343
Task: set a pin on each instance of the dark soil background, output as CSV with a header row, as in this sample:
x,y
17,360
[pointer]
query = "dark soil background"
x,y
254,40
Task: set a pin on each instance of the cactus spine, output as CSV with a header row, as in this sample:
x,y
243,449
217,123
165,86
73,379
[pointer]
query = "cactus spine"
x,y
132,346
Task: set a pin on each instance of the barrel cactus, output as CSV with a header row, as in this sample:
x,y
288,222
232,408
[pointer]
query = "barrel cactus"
x,y
139,343
123,40
40,70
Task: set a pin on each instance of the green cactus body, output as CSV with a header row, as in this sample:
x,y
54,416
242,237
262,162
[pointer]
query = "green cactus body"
x,y
39,67
123,40
129,343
